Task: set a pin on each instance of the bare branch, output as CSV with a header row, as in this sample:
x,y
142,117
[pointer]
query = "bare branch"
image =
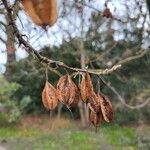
x,y
122,100
46,60
2,40
140,54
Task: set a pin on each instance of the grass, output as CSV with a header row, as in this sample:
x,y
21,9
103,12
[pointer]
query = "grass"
x,y
71,138
121,137
17,133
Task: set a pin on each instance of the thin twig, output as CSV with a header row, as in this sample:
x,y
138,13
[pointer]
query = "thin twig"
x,y
122,100
141,54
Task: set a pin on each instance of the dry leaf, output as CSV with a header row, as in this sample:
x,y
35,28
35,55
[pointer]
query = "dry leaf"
x,y
86,87
42,12
49,96
67,91
106,107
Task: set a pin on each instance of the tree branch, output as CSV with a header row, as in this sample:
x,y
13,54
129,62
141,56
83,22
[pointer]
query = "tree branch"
x,y
46,60
140,54
122,99
2,40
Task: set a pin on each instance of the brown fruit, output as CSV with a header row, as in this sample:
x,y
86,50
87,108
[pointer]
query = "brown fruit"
x,y
96,119
86,87
42,12
106,107
74,96
67,91
95,110
49,96
107,13
94,104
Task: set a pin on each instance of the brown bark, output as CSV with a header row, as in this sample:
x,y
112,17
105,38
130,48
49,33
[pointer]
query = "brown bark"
x,y
59,110
10,42
84,115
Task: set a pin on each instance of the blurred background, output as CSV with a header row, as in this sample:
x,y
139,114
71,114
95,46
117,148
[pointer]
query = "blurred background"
x,y
83,36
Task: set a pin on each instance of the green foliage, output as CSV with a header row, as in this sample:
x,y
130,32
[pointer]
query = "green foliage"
x,y
26,100
124,116
120,137
9,111
16,132
143,140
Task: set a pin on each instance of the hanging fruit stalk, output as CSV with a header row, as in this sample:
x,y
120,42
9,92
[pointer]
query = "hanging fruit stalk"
x,y
67,91
49,96
42,12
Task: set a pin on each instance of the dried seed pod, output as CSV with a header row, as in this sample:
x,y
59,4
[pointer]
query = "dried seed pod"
x,y
62,89
95,110
67,91
42,12
74,96
94,103
107,13
106,107
49,96
86,87
96,119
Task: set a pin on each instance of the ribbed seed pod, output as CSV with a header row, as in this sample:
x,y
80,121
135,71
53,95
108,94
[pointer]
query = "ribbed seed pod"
x,y
106,107
94,103
49,96
86,87
74,95
96,119
42,12
67,91
95,110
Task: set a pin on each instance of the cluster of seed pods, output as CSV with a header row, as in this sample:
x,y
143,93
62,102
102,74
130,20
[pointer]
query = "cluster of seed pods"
x,y
68,93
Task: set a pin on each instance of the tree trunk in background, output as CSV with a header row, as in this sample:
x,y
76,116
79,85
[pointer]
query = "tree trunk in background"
x,y
59,110
10,43
82,107
10,48
84,115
